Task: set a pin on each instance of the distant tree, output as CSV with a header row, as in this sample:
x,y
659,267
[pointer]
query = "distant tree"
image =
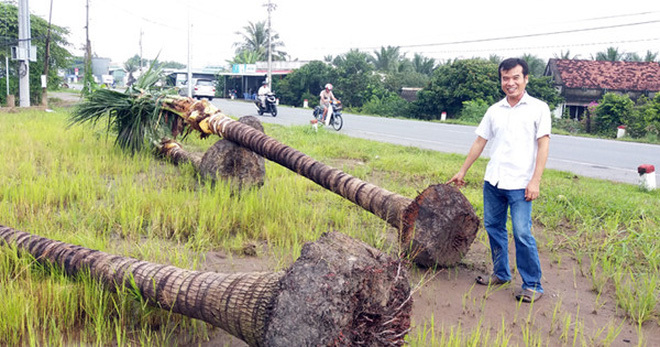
x,y
495,59
632,57
171,65
423,64
611,54
541,87
454,83
355,75
131,66
566,55
536,64
59,57
387,59
136,61
651,56
306,83
254,38
246,57
610,113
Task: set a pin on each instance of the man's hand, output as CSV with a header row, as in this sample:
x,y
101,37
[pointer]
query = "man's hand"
x,y
457,180
532,191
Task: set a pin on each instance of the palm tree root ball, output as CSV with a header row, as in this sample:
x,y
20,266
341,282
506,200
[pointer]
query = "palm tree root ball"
x,y
339,292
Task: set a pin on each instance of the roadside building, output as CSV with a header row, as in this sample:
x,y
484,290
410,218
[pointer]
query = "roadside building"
x,y
581,82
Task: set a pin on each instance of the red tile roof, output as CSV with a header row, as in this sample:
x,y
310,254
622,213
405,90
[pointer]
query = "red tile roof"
x,y
611,75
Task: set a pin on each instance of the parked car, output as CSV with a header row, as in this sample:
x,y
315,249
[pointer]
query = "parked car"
x,y
203,88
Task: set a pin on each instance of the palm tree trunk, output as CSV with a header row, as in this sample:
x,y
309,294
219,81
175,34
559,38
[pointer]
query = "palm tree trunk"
x,y
364,295
173,151
436,229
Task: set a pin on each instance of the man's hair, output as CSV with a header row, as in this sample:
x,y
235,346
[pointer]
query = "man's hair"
x,y
510,63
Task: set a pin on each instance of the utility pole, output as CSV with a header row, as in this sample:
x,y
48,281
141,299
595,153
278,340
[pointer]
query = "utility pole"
x,y
189,77
87,80
270,7
141,33
44,91
24,43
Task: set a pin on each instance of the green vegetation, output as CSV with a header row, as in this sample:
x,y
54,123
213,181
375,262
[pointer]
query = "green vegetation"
x,y
73,185
58,57
641,119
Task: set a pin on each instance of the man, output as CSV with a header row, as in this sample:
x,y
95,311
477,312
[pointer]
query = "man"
x,y
262,92
519,129
326,100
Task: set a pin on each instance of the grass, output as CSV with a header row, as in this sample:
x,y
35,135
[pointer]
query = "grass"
x,y
72,185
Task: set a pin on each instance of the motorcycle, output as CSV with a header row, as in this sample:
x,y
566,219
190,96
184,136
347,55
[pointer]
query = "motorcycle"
x,y
336,121
271,105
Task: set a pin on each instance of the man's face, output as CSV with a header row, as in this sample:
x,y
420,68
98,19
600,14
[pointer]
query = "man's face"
x,y
514,83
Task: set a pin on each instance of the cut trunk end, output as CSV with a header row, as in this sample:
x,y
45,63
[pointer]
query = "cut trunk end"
x,y
438,227
341,292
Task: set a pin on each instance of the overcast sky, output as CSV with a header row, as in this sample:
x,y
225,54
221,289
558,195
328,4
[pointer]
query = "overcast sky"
x,y
315,29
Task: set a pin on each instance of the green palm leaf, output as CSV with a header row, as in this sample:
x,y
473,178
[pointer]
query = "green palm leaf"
x,y
134,115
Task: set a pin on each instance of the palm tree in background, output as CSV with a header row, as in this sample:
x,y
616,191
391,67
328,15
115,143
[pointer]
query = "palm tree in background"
x,y
422,64
536,64
246,57
495,59
611,54
130,66
254,38
651,57
566,55
387,59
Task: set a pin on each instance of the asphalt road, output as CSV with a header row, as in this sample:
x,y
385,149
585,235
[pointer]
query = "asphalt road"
x,y
605,159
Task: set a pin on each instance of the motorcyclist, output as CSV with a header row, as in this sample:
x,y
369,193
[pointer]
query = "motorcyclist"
x,y
261,94
326,100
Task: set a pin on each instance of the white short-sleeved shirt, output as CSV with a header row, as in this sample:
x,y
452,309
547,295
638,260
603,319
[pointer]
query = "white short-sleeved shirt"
x,y
513,133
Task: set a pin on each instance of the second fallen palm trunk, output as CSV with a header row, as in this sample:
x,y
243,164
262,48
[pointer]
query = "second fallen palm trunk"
x,y
436,228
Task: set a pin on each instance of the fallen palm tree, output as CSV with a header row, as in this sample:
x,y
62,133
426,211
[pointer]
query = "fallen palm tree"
x,y
436,228
340,291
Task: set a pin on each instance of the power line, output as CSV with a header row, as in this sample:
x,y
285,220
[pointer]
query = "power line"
x,y
531,35
541,47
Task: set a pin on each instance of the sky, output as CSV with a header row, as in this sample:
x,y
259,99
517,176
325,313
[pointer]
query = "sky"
x,y
312,30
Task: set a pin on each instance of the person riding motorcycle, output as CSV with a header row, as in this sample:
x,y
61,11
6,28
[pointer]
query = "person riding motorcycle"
x,y
263,91
326,100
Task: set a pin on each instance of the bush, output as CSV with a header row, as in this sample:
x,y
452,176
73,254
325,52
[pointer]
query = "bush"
x,y
611,112
390,105
473,111
568,125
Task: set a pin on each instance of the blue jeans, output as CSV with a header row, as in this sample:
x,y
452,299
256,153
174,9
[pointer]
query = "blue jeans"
x,y
496,203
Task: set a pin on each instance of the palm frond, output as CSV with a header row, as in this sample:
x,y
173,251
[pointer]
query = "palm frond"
x,y
134,115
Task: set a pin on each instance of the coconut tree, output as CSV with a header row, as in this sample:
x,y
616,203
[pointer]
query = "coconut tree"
x,y
422,64
435,229
611,54
364,295
254,38
387,59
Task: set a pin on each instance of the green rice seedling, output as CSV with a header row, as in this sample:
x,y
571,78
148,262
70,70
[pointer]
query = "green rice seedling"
x,y
598,269
554,322
638,296
566,328
612,333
